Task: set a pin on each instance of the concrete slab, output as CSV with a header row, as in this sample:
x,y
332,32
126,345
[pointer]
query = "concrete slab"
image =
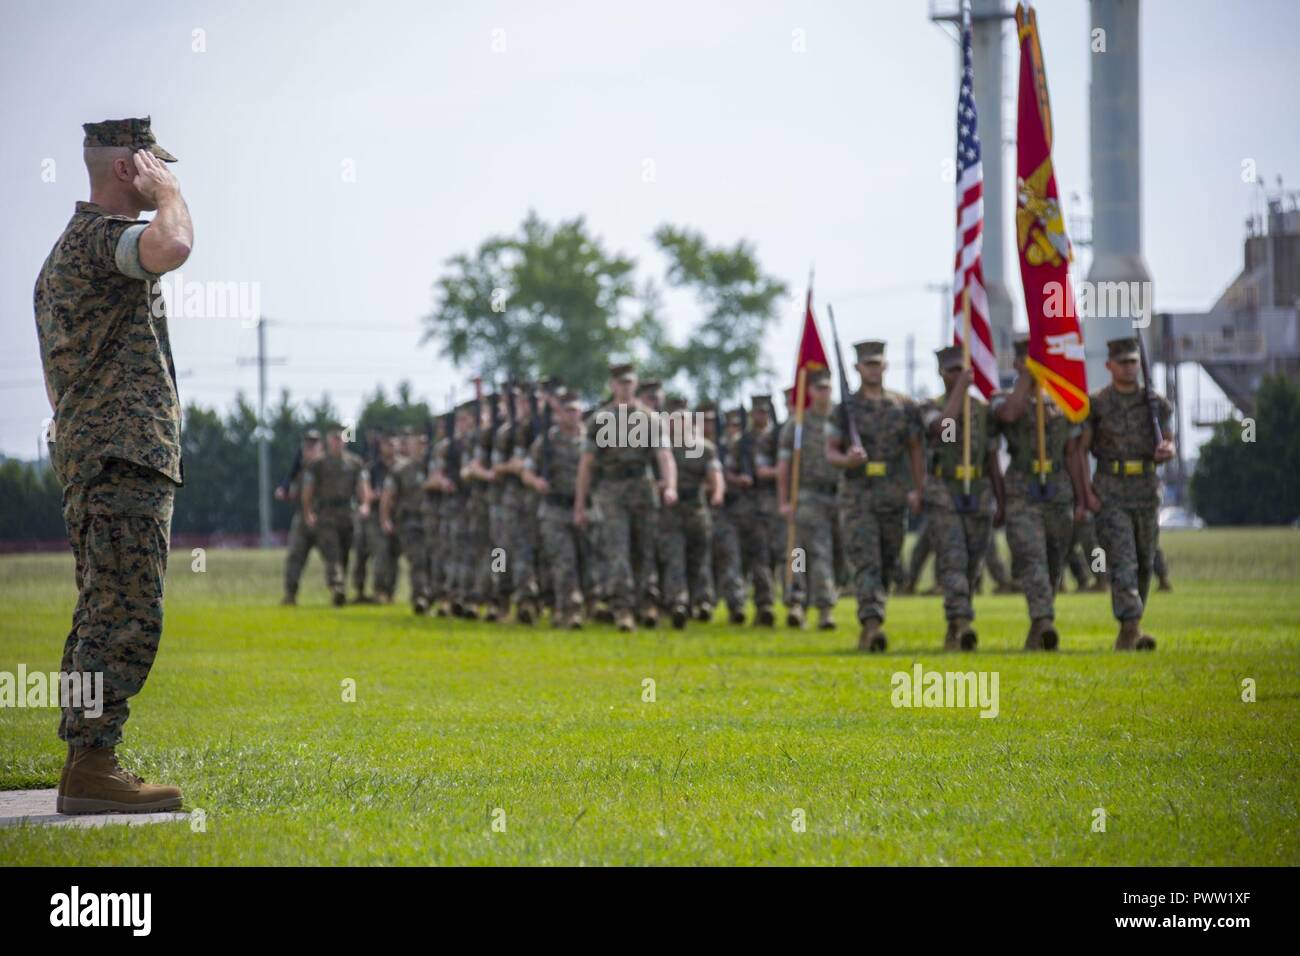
x,y
36,808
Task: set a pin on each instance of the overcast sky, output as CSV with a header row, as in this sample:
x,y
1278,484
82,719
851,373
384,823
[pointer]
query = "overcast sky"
x,y
337,153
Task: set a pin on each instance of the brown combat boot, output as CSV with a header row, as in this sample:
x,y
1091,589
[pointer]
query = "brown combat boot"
x,y
63,779
825,619
624,621
704,613
339,598
443,608
575,621
871,638
794,618
420,605
1129,631
1042,635
737,616
1145,642
1164,585
96,783
679,617
524,613
765,617
951,642
650,617
966,636
289,600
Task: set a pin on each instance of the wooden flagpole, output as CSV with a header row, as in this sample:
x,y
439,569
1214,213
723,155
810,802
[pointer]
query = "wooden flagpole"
x,y
1042,436
799,392
965,408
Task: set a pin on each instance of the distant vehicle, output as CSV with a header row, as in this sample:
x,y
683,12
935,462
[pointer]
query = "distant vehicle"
x,y
1175,518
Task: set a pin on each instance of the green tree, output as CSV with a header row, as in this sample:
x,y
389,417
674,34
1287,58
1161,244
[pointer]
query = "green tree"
x,y
549,300
725,349
1240,481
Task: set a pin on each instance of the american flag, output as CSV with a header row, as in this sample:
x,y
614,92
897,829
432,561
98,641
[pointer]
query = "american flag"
x,y
969,266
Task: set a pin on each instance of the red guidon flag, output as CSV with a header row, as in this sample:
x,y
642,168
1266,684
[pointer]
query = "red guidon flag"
x,y
812,356
1056,356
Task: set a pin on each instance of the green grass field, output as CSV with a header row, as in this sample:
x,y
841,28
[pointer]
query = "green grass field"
x,y
454,722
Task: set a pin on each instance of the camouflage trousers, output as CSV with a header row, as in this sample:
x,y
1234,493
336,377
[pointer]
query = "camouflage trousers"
x,y
368,545
629,520
728,576
390,550
921,550
874,542
524,536
815,522
118,526
1040,536
996,566
1128,536
301,541
410,532
686,545
566,556
961,543
760,530
1080,558
497,563
334,538
433,551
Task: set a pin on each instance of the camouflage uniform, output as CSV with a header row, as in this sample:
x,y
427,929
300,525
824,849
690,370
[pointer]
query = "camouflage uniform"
x,y
686,531
335,482
754,512
873,497
728,571
301,540
625,496
816,514
1129,489
566,547
102,325
1039,532
960,540
367,535
519,507
406,483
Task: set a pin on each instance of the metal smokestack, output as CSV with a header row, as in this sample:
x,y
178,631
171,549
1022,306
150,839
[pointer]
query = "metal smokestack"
x,y
1115,135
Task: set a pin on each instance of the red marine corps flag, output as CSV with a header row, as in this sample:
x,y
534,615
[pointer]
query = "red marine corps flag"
x,y
1056,356
812,355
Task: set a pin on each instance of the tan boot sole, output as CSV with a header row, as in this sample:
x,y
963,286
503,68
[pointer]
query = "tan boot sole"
x,y
75,805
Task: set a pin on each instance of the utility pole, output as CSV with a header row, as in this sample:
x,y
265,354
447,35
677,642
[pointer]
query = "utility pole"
x,y
911,366
263,435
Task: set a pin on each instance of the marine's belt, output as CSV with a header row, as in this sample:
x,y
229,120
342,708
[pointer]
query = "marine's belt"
x,y
959,472
872,469
1127,466
1037,467
624,472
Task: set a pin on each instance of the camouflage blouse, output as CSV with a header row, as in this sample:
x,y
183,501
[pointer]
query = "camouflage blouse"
x,y
106,353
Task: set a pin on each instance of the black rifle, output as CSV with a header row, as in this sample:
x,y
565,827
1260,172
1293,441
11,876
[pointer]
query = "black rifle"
x,y
293,470
511,418
1153,406
747,466
546,442
846,418
453,451
534,421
